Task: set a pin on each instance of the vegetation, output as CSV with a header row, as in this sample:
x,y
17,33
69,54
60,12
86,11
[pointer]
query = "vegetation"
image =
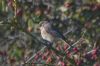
x,y
21,43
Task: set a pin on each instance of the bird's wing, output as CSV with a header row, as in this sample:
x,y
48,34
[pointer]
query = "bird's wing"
x,y
56,33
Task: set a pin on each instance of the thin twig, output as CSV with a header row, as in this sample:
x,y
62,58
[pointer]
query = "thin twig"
x,y
41,63
51,48
48,4
76,41
33,36
95,44
67,32
34,55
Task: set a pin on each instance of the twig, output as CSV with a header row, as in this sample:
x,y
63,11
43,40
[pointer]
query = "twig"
x,y
76,41
4,21
95,44
41,63
90,52
67,32
34,55
51,48
48,4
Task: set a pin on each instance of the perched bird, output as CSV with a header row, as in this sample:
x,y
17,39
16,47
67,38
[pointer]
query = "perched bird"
x,y
49,33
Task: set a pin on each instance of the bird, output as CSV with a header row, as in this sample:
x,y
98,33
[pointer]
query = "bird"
x,y
49,33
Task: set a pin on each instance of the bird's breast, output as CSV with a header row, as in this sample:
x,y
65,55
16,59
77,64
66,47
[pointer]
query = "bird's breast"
x,y
45,35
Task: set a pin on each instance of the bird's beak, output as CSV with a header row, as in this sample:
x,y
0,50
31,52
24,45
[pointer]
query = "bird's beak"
x,y
40,24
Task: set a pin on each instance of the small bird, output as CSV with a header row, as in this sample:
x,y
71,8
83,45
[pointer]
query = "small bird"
x,y
49,33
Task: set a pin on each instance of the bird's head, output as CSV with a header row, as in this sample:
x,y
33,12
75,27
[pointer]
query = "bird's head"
x,y
45,24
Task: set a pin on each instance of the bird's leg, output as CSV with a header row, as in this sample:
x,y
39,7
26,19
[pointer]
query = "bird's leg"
x,y
47,43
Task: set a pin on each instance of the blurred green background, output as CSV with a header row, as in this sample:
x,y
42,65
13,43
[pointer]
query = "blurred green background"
x,y
19,20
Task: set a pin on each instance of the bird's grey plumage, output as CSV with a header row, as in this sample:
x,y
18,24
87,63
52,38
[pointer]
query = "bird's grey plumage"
x,y
45,35
49,33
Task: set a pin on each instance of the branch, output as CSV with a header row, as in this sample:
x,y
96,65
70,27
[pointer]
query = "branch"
x,y
50,47
41,63
34,55
48,4
77,41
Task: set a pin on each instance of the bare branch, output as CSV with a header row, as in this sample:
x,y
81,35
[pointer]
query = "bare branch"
x,y
35,55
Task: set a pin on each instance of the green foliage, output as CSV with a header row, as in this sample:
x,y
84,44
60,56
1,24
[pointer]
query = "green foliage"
x,y
19,20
